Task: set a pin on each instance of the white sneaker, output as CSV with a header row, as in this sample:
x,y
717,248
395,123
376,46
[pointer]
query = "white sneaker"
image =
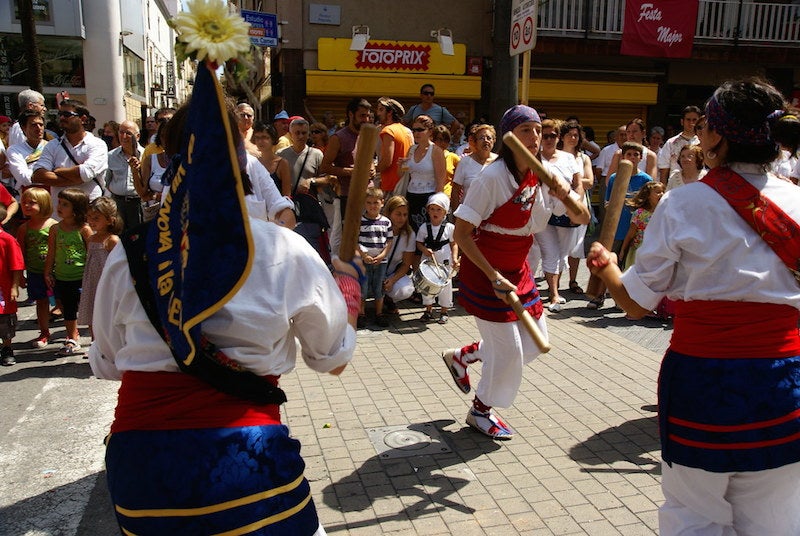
x,y
489,424
554,307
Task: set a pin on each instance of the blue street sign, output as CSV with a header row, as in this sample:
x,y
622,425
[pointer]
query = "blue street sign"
x,y
263,28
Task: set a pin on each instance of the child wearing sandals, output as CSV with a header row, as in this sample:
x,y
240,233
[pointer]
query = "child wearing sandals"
x,y
106,222
33,238
66,258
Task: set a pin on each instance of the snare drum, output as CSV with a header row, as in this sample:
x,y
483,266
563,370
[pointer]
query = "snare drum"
x,y
429,279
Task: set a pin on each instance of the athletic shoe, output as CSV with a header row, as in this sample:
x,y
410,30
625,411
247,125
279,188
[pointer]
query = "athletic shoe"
x,y
458,369
7,356
489,424
382,320
443,319
41,341
554,307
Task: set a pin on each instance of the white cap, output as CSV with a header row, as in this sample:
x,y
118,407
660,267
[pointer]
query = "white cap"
x,y
440,199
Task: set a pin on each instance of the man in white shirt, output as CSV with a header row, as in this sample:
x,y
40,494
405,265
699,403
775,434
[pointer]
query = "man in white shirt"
x,y
23,156
77,159
668,155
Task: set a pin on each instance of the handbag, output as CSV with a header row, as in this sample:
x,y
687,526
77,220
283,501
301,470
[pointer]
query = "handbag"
x,y
307,208
150,210
401,188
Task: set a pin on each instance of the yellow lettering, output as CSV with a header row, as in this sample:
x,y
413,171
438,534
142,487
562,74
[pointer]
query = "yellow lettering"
x,y
190,149
165,282
174,313
164,265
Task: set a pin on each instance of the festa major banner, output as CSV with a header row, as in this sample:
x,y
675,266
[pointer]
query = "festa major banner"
x,y
659,28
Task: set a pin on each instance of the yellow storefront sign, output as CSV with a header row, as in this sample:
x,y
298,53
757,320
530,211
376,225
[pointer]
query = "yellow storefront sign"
x,y
390,56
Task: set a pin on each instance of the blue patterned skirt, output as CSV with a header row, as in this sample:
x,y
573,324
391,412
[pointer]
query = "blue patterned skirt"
x,y
246,480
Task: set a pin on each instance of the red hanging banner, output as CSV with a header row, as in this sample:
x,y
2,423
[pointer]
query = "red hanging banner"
x,y
659,28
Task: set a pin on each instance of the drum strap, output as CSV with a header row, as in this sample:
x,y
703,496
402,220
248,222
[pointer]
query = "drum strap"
x,y
438,243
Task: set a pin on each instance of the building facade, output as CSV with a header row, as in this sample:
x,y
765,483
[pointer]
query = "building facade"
x,y
576,67
116,56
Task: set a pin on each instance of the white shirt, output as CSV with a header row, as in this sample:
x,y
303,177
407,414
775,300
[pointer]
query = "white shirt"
x,y
16,155
468,170
15,134
669,153
495,188
604,160
266,201
259,327
697,248
92,155
402,243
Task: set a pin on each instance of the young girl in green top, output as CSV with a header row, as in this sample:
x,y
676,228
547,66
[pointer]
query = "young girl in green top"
x,y
33,237
66,257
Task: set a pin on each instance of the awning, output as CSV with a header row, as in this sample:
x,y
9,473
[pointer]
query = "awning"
x,y
398,85
592,91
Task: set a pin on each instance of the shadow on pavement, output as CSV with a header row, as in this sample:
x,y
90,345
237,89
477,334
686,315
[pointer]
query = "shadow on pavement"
x,y
634,441
421,477
51,512
61,370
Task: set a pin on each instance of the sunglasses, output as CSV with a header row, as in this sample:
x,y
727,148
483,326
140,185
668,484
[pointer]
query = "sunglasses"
x,y
316,132
65,113
550,136
429,93
419,129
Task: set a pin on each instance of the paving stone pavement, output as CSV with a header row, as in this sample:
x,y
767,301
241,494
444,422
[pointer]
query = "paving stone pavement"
x,y
585,460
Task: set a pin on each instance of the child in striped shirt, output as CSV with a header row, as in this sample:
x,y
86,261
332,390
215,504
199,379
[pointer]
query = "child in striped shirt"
x,y
375,242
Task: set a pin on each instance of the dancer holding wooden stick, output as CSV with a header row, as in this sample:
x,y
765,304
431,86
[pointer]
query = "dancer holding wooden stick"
x,y
496,221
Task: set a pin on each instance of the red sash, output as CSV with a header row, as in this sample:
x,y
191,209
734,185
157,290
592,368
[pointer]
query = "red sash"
x,y
766,218
179,401
726,329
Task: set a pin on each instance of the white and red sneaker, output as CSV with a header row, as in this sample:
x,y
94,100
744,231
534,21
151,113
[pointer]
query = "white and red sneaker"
x,y
489,424
458,368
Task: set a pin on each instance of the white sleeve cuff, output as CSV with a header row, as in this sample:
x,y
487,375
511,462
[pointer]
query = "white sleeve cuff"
x,y
638,291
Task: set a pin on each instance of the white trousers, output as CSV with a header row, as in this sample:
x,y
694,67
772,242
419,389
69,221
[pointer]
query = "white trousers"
x,y
556,243
505,348
445,296
402,289
757,503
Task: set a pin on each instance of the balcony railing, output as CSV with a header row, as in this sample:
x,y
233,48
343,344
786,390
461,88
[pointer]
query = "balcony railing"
x,y
721,22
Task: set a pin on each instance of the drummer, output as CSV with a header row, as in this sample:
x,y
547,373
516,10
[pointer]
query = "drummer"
x,y
435,239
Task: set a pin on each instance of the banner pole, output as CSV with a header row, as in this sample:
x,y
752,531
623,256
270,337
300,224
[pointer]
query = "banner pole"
x,y
526,77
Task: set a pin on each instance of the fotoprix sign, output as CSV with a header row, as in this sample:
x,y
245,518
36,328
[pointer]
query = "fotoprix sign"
x,y
394,57
390,56
659,28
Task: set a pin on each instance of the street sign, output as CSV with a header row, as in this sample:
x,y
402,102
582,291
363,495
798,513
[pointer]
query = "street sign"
x,y
523,26
263,28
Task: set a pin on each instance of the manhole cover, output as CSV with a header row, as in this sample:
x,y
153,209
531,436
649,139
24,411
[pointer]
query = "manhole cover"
x,y
406,441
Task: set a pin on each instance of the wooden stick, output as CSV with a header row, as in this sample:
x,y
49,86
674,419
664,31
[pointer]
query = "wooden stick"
x,y
529,323
365,151
574,205
611,220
